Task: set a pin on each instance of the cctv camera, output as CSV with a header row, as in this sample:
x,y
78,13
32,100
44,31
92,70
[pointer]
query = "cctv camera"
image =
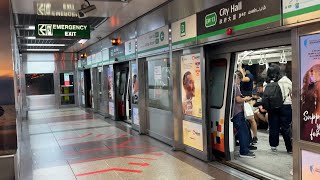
x,y
82,13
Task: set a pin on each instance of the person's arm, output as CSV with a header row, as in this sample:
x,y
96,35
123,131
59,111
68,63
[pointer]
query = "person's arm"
x,y
239,99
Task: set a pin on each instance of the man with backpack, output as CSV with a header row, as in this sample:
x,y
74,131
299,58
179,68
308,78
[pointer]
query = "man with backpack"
x,y
279,113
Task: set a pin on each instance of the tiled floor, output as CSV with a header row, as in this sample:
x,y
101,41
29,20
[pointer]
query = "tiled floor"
x,y
73,144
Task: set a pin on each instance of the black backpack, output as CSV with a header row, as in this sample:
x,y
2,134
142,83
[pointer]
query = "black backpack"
x,y
272,97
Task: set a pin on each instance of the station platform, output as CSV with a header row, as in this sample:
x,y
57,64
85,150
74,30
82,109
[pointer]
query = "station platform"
x,y
74,144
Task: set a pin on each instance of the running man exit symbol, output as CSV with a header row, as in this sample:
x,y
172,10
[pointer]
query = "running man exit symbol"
x,y
182,29
45,30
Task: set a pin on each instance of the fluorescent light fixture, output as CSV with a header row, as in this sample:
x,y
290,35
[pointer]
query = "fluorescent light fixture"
x,y
57,45
30,37
31,28
82,41
43,50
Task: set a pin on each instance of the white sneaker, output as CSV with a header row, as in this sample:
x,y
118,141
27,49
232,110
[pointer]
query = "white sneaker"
x,y
273,149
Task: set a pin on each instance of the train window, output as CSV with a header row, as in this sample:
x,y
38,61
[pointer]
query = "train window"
x,y
158,84
217,79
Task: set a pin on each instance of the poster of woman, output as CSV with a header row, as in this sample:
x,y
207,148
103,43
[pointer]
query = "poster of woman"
x,y
310,88
110,83
191,85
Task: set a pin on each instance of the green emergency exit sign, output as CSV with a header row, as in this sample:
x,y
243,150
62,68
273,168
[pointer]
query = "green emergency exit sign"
x,y
76,31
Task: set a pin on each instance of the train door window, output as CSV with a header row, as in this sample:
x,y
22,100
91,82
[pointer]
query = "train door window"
x,y
217,78
264,127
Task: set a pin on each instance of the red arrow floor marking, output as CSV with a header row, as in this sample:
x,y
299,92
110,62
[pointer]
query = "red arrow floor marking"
x,y
77,137
111,157
139,164
153,153
108,170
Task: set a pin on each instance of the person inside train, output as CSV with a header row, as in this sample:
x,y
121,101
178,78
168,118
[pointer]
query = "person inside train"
x,y
280,118
239,120
260,114
246,87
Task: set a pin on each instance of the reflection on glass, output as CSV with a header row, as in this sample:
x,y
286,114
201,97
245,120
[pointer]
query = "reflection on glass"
x,y
67,100
66,83
67,88
158,84
39,84
217,79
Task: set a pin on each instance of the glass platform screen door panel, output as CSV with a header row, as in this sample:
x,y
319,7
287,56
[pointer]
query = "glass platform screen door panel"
x,y
67,96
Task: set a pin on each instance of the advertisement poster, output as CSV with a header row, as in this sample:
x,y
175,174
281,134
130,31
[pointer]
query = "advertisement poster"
x,y
310,88
110,83
310,165
111,108
135,84
192,135
135,115
191,85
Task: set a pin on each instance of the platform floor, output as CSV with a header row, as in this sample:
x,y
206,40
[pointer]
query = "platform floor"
x,y
73,144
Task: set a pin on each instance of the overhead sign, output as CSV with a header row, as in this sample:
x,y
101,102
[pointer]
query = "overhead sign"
x,y
130,47
184,30
152,40
116,51
77,31
192,135
233,14
105,54
300,10
65,9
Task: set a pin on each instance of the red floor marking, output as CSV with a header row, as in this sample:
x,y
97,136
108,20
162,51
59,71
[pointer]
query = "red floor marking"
x,y
77,137
153,153
110,157
108,170
93,141
139,164
123,136
99,135
122,145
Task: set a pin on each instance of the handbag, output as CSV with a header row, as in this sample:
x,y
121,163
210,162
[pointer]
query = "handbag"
x,y
248,112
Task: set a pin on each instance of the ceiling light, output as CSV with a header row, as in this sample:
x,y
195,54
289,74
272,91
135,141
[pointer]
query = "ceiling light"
x,y
82,41
30,37
59,45
42,49
31,28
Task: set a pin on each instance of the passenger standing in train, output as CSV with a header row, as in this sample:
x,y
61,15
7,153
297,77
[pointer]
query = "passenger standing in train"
x,y
246,87
280,117
239,120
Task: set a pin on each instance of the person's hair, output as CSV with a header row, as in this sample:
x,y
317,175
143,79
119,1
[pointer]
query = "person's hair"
x,y
134,78
238,74
308,91
185,79
260,84
273,73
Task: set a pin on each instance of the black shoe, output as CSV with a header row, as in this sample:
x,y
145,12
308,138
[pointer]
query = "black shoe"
x,y
254,140
252,148
249,155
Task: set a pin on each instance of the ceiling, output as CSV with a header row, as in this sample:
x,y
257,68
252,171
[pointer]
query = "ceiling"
x,y
109,16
